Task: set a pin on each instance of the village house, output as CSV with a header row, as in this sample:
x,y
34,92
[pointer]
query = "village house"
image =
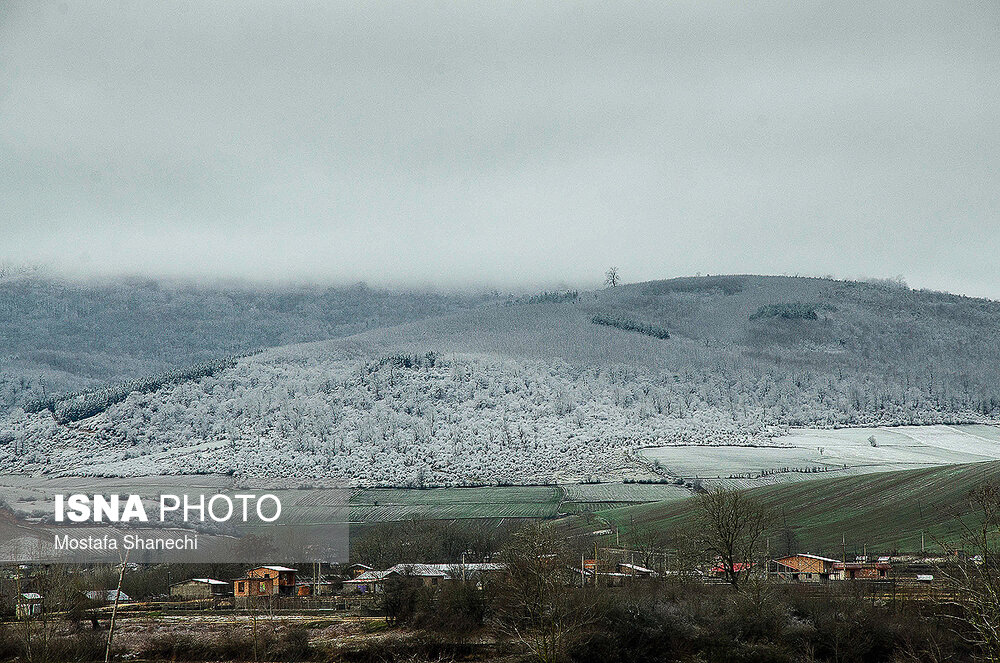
x,y
29,604
621,574
266,581
354,570
719,571
635,571
366,582
862,569
804,567
429,575
200,588
107,596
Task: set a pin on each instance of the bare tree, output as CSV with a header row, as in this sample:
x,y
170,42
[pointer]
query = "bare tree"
x,y
978,575
732,526
542,611
611,278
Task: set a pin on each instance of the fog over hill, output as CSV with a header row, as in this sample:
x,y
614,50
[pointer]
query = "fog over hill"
x,y
61,336
528,390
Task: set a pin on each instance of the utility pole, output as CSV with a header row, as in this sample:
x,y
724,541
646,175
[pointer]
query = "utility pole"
x,y
114,609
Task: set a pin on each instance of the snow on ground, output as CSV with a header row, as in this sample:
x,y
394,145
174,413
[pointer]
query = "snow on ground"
x,y
816,453
395,421
317,414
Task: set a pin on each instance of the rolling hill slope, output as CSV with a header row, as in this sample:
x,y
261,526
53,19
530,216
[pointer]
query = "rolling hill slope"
x,y
532,391
61,336
884,512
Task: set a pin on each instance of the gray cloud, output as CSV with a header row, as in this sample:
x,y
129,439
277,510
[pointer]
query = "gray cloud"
x,y
528,143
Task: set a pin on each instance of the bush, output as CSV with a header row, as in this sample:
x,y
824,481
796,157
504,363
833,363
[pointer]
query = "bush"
x,y
554,297
792,311
236,644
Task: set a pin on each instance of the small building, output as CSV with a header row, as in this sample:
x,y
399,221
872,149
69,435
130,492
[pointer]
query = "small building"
x,y
108,595
200,588
266,581
635,571
804,567
354,570
29,604
317,588
367,582
719,570
429,575
863,570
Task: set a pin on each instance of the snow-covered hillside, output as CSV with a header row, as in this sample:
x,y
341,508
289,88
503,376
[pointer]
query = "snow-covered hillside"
x,y
454,420
535,392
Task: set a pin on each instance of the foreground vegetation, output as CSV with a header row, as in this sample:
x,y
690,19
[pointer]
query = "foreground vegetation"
x,y
535,611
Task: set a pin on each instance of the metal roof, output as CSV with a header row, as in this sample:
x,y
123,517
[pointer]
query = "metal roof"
x,y
206,581
428,571
107,595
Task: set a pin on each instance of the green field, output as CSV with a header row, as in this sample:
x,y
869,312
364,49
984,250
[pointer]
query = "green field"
x,y
883,511
393,504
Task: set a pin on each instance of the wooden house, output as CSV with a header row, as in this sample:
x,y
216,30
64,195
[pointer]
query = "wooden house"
x,y
804,567
864,570
266,581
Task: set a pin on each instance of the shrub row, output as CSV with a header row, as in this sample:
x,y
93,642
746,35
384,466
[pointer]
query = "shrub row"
x,y
83,404
630,325
554,297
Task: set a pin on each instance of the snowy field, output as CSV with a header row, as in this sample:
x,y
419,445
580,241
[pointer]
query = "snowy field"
x,y
818,453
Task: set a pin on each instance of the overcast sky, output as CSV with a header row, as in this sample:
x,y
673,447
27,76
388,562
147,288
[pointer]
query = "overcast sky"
x,y
528,144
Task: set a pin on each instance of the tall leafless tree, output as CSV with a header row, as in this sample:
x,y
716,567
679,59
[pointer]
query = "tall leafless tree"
x,y
611,278
542,610
977,574
732,526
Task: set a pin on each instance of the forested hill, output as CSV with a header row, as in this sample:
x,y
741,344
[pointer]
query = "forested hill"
x,y
880,344
59,336
554,386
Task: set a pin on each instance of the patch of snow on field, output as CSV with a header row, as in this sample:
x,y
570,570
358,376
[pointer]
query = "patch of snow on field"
x,y
817,453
